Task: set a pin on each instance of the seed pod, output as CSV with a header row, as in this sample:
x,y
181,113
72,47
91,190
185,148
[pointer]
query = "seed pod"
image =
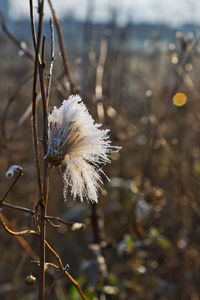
x,y
30,280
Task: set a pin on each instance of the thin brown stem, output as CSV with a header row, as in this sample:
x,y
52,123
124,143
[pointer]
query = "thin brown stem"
x,y
19,208
36,43
62,48
75,283
17,233
33,213
11,187
22,242
99,80
34,93
63,221
49,76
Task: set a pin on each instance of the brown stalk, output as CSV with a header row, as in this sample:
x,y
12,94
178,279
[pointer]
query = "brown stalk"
x,y
49,76
11,187
75,283
32,232
62,49
99,80
43,202
34,93
43,193
23,242
33,212
17,233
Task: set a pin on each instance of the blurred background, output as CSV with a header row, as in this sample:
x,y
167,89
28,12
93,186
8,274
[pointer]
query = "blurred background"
x,y
136,65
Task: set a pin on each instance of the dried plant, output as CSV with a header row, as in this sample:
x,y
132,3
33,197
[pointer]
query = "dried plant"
x,y
77,142
70,138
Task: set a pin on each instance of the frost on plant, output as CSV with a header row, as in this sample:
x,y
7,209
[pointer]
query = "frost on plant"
x,y
14,169
80,145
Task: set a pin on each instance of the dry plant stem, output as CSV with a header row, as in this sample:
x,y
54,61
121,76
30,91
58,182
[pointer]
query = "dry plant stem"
x,y
43,203
34,93
62,49
19,208
61,220
32,232
45,107
23,242
33,212
17,233
42,200
99,80
75,283
49,76
11,187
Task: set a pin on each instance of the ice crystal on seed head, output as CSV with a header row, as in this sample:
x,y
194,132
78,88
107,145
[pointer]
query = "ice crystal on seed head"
x,y
14,169
79,144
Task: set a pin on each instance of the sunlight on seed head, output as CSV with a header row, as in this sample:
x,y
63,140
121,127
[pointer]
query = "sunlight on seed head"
x,y
179,99
77,142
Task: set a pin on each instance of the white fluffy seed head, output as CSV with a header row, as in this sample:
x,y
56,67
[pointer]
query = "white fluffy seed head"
x,y
79,144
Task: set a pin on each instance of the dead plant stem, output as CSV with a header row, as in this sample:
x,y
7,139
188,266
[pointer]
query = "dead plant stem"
x,y
62,48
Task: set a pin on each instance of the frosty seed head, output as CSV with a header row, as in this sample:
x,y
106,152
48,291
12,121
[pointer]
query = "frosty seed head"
x,y
76,142
13,170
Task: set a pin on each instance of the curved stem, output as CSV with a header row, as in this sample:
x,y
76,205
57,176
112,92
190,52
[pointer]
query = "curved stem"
x,y
75,283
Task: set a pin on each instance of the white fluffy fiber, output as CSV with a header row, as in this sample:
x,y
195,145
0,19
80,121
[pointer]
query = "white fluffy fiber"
x,y
82,146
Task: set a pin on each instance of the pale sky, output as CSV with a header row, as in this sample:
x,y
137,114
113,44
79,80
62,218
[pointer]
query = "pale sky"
x,y
172,12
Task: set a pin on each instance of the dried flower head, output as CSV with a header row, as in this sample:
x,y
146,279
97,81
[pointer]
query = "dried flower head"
x,y
76,142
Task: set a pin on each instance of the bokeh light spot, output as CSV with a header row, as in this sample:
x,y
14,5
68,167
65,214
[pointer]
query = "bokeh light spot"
x,y
179,99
